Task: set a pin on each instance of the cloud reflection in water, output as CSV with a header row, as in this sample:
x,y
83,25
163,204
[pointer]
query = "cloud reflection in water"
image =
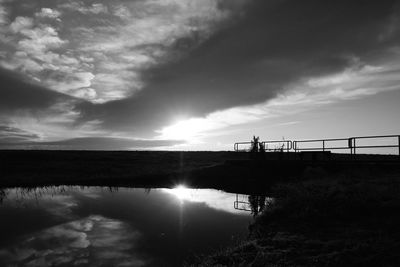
x,y
95,239
215,199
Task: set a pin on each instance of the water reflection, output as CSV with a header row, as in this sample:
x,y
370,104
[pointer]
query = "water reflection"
x,y
2,195
116,226
255,204
95,239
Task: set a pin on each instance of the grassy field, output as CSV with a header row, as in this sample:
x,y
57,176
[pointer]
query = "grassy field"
x,y
30,168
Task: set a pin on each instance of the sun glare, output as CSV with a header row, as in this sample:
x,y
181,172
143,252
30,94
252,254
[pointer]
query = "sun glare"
x,y
186,130
181,192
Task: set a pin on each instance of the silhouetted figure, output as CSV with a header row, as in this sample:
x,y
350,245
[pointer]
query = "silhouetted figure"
x,y
254,144
254,147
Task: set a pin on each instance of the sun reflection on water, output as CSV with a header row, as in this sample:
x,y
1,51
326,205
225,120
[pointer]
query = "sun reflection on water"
x,y
215,199
181,192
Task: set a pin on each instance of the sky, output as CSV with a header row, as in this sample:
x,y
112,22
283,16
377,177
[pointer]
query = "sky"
x,y
195,75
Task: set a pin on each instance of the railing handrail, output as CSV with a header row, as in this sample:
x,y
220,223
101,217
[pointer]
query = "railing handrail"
x,y
351,143
320,140
289,144
375,136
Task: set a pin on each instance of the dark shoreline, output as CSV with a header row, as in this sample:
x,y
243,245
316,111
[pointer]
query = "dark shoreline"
x,y
231,171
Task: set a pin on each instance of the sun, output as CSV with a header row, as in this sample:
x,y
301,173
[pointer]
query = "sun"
x,y
181,192
188,130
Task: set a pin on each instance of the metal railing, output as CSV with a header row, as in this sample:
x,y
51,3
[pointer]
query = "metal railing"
x,y
236,146
320,144
285,145
241,204
351,144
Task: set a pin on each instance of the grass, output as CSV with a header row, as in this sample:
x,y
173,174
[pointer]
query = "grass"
x,y
131,168
344,220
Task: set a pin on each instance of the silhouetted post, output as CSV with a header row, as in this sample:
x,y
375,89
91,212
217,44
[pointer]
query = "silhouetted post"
x,y
399,143
354,146
350,146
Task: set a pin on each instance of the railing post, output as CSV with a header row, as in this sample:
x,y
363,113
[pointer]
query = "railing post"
x,y
398,143
350,145
354,145
323,145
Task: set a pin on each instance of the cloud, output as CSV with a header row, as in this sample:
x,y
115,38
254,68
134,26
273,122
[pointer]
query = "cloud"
x,y
14,135
95,8
101,58
92,143
3,14
48,13
353,83
21,23
19,94
130,37
39,40
65,82
39,112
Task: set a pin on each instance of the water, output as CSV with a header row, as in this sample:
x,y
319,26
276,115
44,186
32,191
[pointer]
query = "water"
x,y
98,226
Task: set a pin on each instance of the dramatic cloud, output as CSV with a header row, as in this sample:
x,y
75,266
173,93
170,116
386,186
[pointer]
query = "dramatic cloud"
x,y
352,83
29,108
111,44
181,69
272,50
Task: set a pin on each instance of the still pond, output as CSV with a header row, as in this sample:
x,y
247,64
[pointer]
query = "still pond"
x,y
101,226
